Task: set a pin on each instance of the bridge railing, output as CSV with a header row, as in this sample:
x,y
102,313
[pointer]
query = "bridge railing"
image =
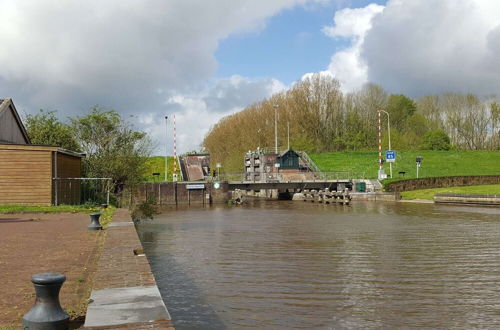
x,y
281,177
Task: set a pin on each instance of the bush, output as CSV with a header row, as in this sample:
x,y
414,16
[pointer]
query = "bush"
x,y
436,140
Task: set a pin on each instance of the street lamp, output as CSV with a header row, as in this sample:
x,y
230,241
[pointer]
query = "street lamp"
x,y
218,165
276,128
389,135
166,148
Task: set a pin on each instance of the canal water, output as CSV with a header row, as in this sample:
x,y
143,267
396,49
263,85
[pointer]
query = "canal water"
x,y
284,264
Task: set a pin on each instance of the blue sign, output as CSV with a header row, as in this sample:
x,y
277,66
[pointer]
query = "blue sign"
x,y
390,156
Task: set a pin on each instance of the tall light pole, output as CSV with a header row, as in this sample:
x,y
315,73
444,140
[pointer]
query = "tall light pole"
x,y
166,148
276,128
388,134
288,133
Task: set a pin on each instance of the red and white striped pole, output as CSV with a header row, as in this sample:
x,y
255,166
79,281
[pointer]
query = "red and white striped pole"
x,y
175,151
379,141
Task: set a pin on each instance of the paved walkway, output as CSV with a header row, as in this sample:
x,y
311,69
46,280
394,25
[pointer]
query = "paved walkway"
x,y
125,294
37,243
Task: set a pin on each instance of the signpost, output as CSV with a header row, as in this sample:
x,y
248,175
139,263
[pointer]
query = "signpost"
x,y
390,156
419,162
195,186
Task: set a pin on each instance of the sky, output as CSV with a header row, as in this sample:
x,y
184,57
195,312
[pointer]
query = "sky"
x,y
202,60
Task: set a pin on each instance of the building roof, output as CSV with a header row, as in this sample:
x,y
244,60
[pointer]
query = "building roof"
x,y
37,147
287,151
7,105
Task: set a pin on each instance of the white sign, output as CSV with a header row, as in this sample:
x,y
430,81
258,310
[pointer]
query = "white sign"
x,y
195,186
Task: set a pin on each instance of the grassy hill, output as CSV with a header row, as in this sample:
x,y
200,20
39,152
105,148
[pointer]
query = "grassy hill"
x,y
156,164
435,163
492,189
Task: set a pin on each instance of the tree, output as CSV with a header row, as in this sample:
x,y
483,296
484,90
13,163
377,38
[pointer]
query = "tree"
x,y
400,108
436,140
114,149
45,128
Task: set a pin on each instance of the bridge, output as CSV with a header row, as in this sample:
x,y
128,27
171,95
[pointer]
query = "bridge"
x,y
291,185
293,181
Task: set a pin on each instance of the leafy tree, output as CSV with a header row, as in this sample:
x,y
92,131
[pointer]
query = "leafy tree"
x,y
45,128
400,108
114,149
436,140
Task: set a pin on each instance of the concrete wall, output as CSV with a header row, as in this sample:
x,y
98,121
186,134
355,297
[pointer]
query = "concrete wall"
x,y
440,182
170,193
377,196
467,199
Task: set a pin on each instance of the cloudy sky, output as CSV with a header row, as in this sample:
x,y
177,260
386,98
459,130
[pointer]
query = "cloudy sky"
x,y
202,60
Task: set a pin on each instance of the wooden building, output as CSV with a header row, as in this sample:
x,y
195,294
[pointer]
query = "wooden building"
x,y
289,160
31,174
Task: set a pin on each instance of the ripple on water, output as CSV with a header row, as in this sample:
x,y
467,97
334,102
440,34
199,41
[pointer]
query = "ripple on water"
x,y
298,265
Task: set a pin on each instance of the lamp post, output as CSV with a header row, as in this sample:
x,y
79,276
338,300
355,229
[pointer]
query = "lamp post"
x,y
276,128
166,148
389,135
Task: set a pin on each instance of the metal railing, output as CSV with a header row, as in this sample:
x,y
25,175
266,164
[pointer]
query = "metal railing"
x,y
282,177
309,162
77,191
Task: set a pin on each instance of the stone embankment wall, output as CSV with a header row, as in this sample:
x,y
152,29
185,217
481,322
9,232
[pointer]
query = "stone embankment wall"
x,y
124,292
467,199
441,182
170,193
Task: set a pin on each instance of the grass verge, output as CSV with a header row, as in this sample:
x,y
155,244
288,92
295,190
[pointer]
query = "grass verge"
x,y
434,164
493,189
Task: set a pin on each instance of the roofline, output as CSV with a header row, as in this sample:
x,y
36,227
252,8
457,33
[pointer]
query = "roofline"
x,y
4,105
50,148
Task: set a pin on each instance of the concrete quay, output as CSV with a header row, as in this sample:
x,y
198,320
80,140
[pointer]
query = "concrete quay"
x,y
125,294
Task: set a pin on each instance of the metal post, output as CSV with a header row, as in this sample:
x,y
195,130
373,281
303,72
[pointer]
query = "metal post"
x,y
107,194
276,128
47,312
288,133
379,143
388,135
166,148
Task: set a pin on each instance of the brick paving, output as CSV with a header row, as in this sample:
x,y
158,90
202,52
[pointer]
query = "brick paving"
x,y
38,243
120,267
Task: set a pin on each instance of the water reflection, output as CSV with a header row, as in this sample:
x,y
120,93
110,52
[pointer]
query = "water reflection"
x,y
300,265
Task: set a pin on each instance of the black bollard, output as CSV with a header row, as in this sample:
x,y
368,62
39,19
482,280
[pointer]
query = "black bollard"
x,y
94,222
47,312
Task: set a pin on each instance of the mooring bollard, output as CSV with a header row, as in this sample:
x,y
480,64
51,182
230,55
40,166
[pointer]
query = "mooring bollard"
x,y
47,312
94,222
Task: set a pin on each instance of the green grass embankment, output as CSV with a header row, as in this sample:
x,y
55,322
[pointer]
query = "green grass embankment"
x,y
156,164
435,163
105,219
493,189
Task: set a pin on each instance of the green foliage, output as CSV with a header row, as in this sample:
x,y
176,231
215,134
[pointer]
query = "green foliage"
x,y
46,129
156,164
114,149
146,209
400,109
429,193
10,209
436,140
435,163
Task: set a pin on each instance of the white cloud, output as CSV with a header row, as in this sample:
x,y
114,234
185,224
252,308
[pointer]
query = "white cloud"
x,y
198,110
420,47
347,65
123,54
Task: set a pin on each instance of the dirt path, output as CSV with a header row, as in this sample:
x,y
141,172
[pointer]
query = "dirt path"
x,y
37,243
